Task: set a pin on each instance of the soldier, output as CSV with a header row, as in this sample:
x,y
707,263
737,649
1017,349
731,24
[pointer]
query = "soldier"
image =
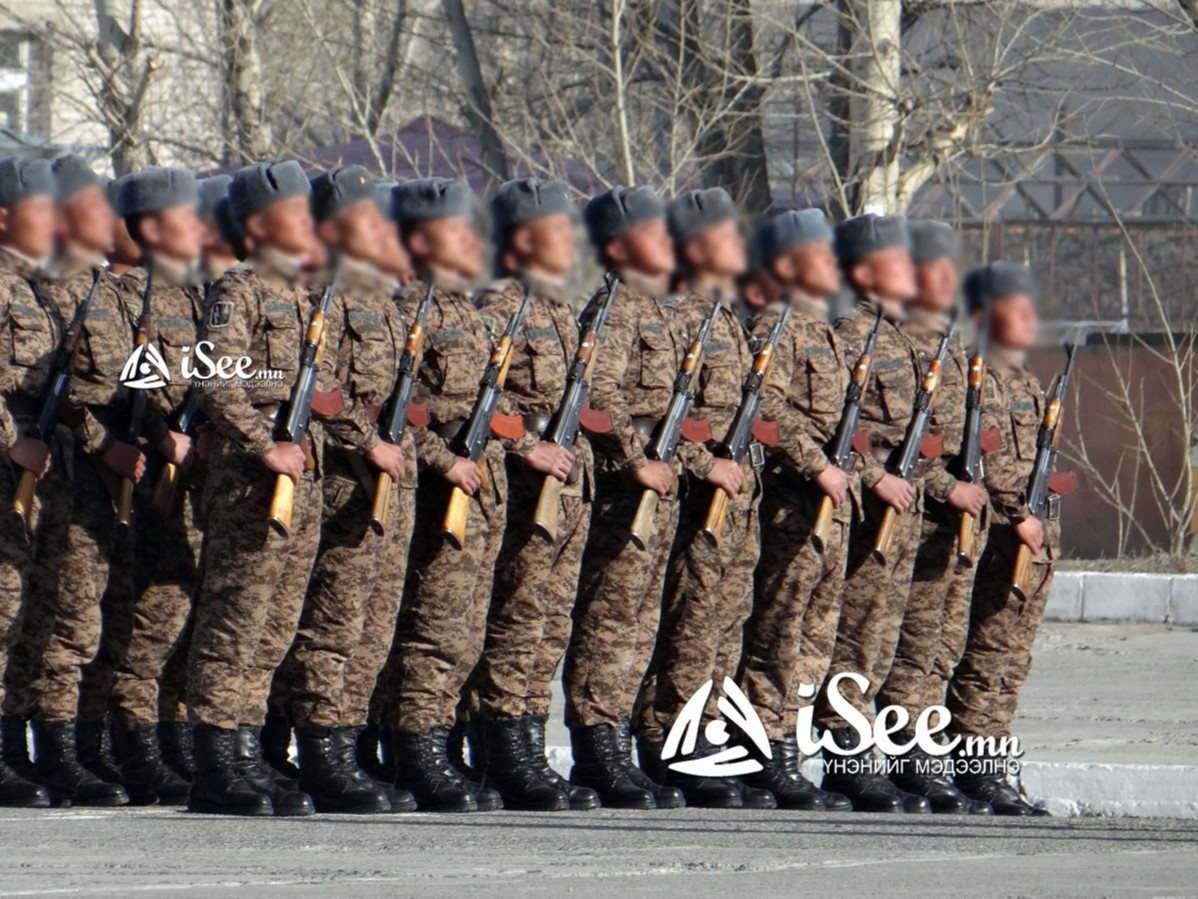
x,y
392,259
251,590
30,331
443,618
63,628
216,255
125,254
792,630
158,206
536,579
619,591
874,254
938,605
984,692
357,569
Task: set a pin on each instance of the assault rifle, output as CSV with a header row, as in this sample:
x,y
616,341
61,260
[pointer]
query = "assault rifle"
x,y
665,443
395,419
182,422
563,429
970,468
137,408
471,441
56,392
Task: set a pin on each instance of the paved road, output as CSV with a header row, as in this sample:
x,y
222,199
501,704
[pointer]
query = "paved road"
x,y
687,851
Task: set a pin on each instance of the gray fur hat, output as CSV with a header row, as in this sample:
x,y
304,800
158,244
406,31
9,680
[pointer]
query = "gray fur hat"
x,y
21,178
257,186
154,189
615,211
698,210
861,235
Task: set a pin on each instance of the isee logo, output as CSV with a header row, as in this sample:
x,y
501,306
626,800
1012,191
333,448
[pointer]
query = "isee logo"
x,y
145,369
731,761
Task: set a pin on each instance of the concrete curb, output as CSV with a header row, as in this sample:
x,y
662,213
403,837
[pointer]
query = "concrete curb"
x,y
1103,595
1068,789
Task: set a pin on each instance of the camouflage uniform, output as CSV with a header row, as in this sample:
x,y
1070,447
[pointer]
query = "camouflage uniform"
x,y
30,331
790,635
535,580
252,587
619,590
708,591
932,637
984,691
443,618
876,593
358,572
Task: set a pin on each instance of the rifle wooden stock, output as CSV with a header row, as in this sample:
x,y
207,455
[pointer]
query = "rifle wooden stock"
x,y
124,505
1021,578
966,537
644,523
164,490
819,531
885,539
714,526
22,501
382,499
547,516
280,504
454,526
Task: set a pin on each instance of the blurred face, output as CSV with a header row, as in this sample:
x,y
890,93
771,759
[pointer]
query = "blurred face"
x,y
759,291
810,268
212,244
87,222
887,275
356,230
284,226
718,251
450,244
174,233
1013,321
125,250
937,281
544,246
28,226
392,258
645,248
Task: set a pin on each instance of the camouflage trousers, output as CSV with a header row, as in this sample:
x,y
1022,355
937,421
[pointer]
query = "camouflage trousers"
x,y
252,588
357,579
707,598
443,619
618,609
984,691
875,601
16,556
932,637
791,632
536,581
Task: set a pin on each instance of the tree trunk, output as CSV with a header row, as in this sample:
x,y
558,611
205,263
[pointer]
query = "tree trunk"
x,y
124,72
873,113
478,98
252,138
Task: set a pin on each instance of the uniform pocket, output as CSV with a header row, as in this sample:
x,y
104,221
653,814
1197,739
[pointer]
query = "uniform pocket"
x,y
823,383
895,381
451,369
719,385
282,337
548,363
32,339
658,364
371,343
1025,425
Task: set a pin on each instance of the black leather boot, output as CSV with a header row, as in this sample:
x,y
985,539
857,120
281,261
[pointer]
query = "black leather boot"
x,y
367,752
143,770
174,741
218,789
387,765
599,766
93,743
63,775
510,770
665,797
456,746
345,744
423,769
780,776
985,780
925,775
275,736
14,746
854,776
700,792
285,795
15,790
325,777
582,799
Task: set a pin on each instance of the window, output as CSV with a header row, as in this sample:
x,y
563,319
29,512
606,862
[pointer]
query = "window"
x,y
14,80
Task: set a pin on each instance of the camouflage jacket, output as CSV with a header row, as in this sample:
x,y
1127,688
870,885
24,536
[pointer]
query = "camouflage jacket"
x,y
806,387
30,331
106,344
948,406
639,358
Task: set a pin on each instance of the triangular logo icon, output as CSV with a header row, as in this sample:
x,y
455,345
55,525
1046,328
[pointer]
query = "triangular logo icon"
x,y
145,369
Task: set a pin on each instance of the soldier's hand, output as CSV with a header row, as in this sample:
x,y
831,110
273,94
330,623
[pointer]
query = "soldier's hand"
x,y
726,475
655,476
1031,532
895,492
551,459
465,475
387,458
174,447
126,460
32,455
967,498
835,483
286,458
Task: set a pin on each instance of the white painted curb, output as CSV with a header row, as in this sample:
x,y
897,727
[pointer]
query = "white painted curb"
x,y
1107,595
1068,789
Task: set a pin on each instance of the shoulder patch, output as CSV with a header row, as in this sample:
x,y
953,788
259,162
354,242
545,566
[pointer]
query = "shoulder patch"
x,y
491,324
221,314
990,389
